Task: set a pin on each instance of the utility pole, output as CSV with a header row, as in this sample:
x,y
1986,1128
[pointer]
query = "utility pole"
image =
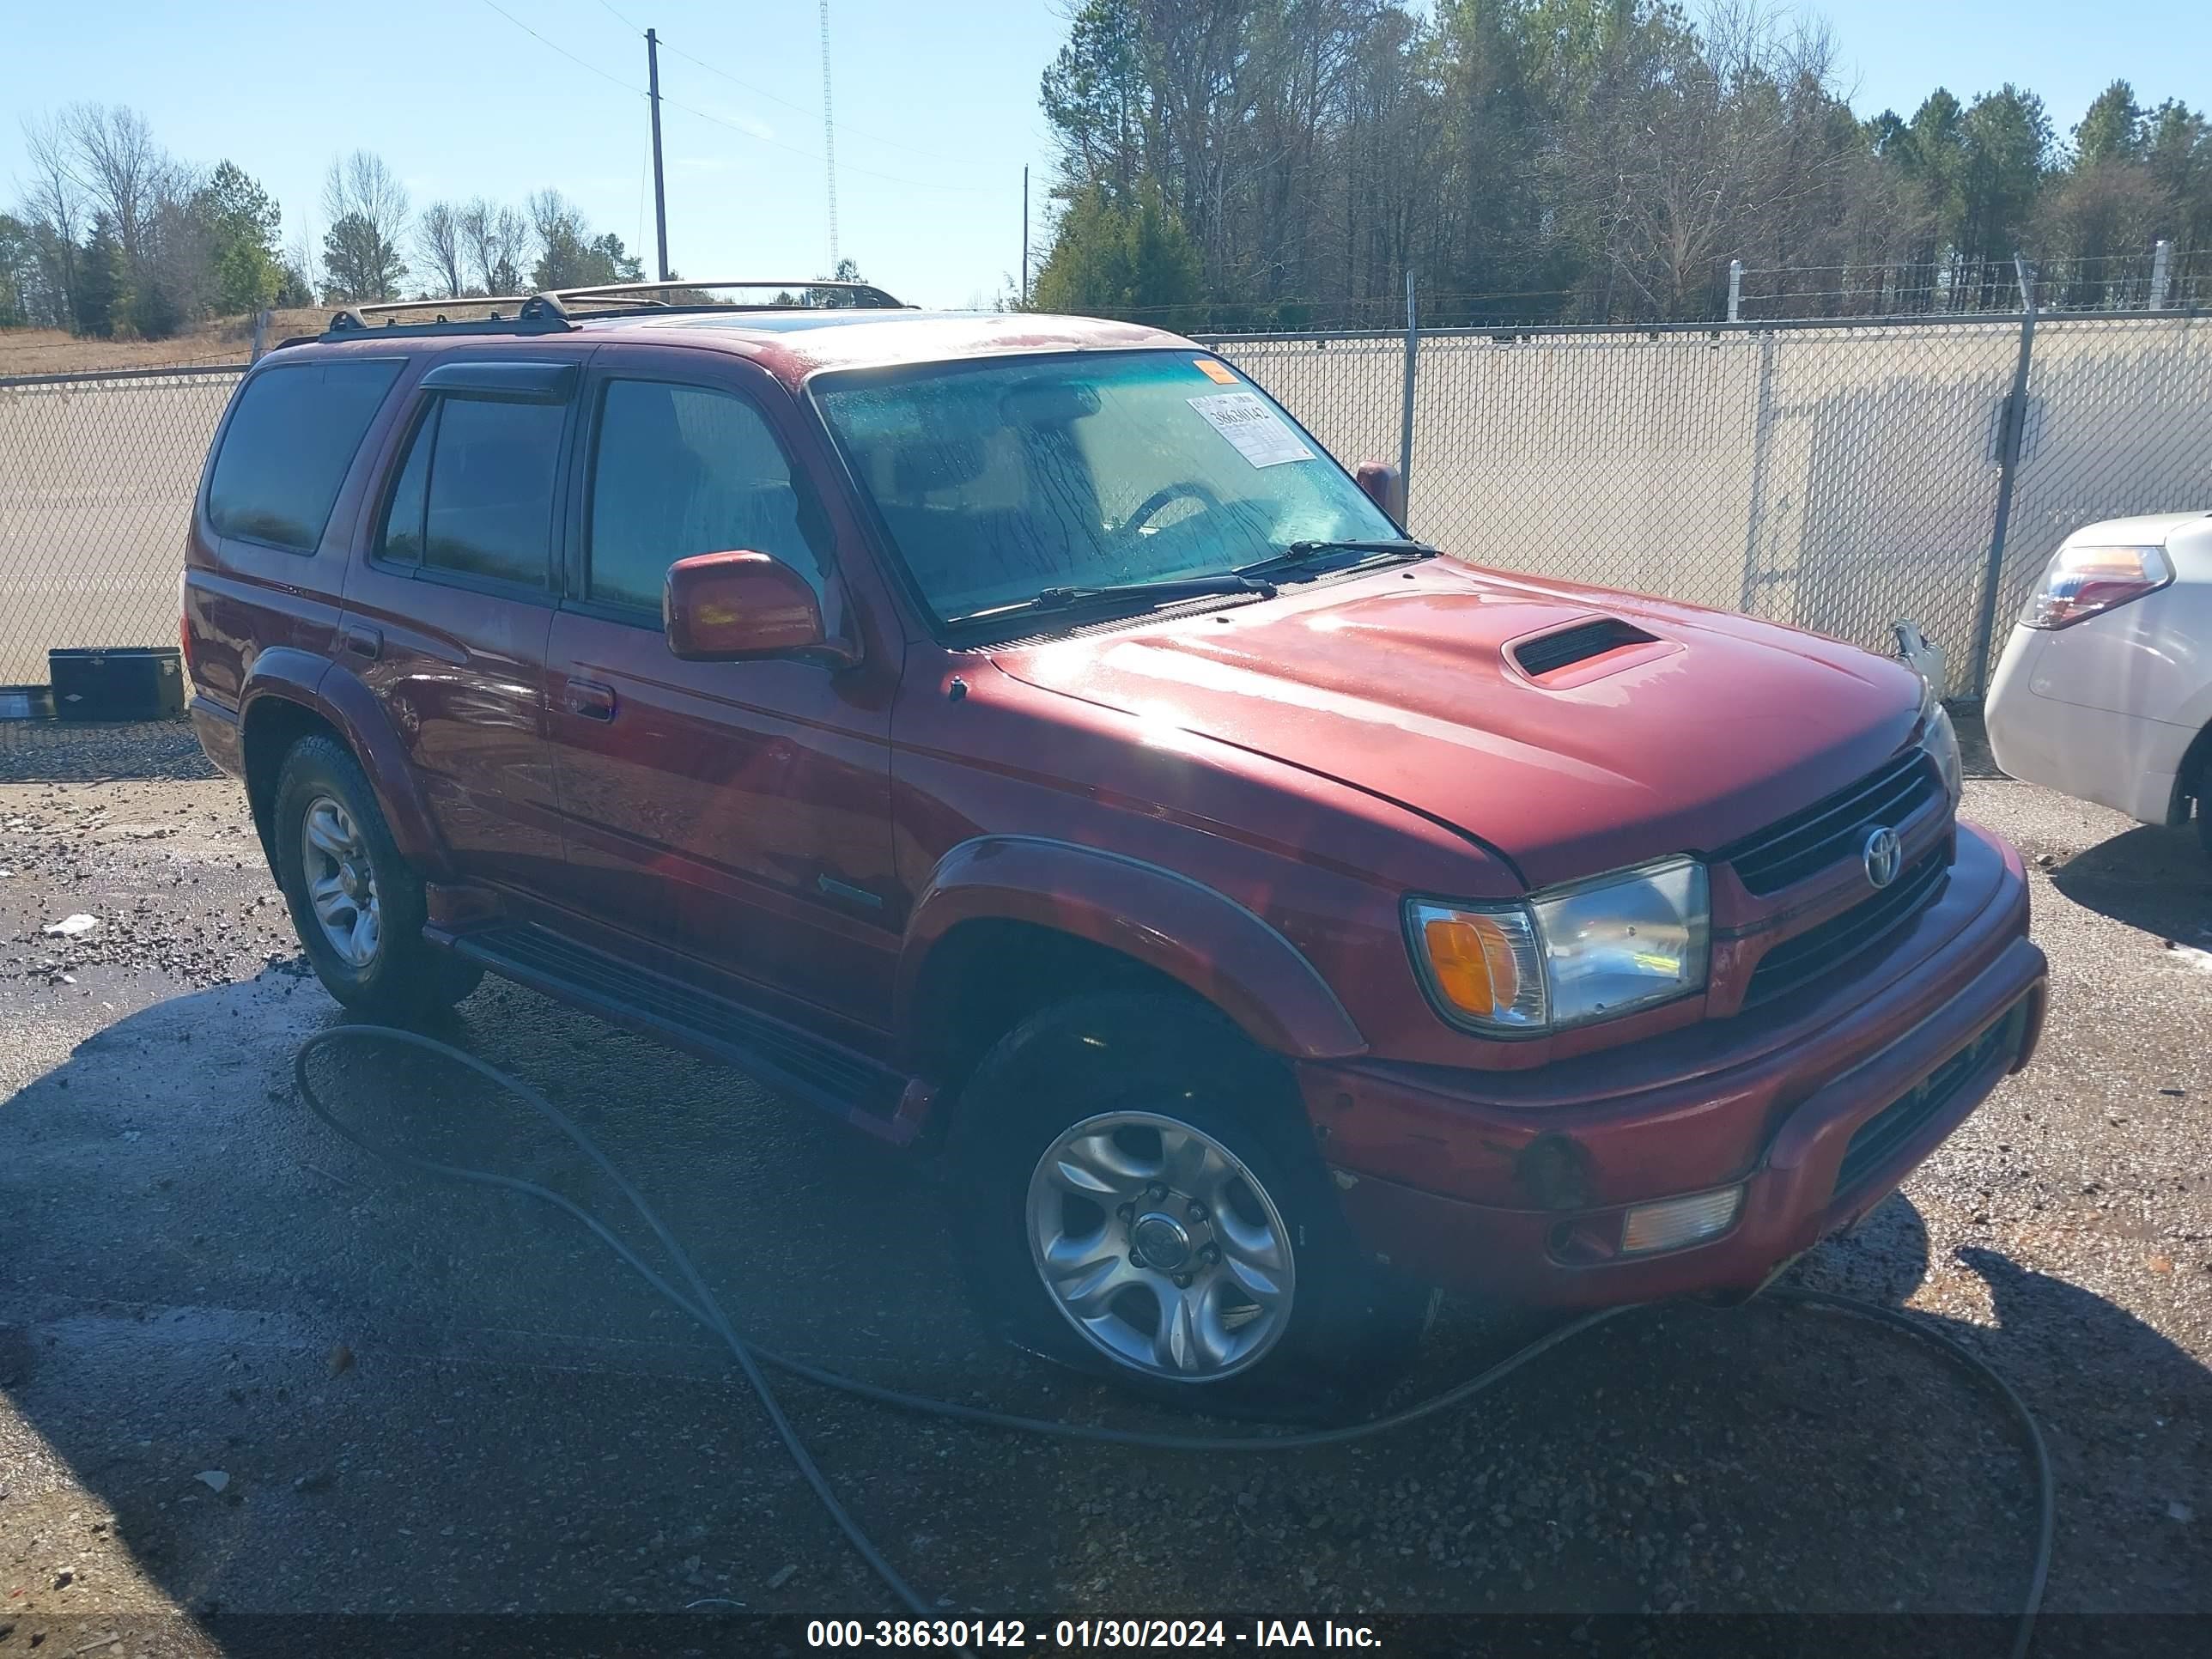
x,y
829,139
659,191
1025,236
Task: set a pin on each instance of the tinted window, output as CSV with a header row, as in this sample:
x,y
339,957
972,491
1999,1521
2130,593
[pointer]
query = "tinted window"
x,y
682,470
489,500
400,539
287,447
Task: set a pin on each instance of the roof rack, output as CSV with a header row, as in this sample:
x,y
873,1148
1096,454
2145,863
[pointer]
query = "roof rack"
x,y
555,311
863,293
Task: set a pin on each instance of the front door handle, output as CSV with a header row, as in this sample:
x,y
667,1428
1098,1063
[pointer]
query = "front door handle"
x,y
362,641
593,700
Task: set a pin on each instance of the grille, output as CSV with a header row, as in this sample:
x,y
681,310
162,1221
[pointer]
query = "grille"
x,y
1818,951
1883,1134
1580,643
1828,830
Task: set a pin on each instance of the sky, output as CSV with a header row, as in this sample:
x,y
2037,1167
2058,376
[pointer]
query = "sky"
x,y
936,106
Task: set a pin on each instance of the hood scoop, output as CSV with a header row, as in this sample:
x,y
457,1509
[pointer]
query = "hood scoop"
x,y
1569,647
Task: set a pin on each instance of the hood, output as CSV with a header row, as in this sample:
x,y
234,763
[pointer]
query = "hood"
x,y
1408,684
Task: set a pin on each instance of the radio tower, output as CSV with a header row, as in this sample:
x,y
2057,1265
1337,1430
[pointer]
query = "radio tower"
x,y
829,139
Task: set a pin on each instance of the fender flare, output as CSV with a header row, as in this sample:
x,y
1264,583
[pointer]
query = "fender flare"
x,y
300,677
1232,957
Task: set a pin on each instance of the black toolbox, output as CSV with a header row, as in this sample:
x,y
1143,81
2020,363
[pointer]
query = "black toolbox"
x,y
125,682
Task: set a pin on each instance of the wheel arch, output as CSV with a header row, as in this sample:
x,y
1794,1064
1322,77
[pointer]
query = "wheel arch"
x,y
289,695
1009,924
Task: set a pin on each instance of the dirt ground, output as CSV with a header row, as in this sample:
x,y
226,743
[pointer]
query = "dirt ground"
x,y
248,1375
52,351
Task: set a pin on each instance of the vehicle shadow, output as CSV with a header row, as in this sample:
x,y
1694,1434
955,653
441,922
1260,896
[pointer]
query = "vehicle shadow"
x,y
2152,877
1975,760
416,1399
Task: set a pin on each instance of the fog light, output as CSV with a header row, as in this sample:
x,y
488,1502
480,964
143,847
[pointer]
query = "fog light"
x,y
1679,1221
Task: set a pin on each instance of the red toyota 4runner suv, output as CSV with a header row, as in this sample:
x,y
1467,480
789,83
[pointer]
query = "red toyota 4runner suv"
x,y
1018,736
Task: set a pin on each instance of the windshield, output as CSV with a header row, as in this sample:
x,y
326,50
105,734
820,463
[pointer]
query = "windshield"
x,y
1002,480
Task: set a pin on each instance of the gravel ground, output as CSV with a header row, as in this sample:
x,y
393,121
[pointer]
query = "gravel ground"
x,y
245,1371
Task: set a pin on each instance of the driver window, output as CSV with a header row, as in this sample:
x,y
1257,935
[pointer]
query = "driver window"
x,y
682,469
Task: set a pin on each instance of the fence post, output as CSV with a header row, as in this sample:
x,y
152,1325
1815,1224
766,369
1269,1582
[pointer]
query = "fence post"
x,y
1406,414
1735,288
2161,254
260,335
2013,429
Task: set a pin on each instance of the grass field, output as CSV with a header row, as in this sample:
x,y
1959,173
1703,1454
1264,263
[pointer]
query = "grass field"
x,y
224,340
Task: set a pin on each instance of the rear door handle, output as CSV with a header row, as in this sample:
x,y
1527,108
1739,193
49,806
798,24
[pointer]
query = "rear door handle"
x,y
593,700
362,641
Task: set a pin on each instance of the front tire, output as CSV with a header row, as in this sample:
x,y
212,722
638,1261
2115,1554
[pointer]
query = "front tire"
x,y
357,904
1139,1198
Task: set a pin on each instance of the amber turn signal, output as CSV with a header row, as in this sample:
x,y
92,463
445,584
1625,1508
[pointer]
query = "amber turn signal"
x,y
1474,963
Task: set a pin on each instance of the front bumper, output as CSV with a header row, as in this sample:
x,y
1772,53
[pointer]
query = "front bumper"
x,y
1450,1177
2128,762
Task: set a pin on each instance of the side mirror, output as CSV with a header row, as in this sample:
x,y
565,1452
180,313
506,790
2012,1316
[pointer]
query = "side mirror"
x,y
731,607
1385,486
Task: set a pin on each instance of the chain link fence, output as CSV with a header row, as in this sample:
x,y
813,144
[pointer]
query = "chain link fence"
x,y
97,473
1835,476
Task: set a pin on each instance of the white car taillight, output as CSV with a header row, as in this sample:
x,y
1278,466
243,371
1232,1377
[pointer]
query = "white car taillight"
x,y
2081,582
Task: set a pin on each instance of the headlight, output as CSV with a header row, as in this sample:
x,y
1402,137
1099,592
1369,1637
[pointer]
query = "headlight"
x,y
1941,739
1566,956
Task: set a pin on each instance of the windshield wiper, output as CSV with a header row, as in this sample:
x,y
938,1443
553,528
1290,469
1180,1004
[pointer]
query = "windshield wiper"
x,y
1155,592
1302,553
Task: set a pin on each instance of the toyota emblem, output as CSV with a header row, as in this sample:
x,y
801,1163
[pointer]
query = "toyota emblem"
x,y
1884,854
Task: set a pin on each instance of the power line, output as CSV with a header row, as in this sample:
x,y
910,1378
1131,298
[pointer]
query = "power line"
x,y
555,46
812,155
845,127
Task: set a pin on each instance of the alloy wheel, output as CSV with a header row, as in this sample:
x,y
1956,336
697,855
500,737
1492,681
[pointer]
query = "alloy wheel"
x,y
341,883
1161,1247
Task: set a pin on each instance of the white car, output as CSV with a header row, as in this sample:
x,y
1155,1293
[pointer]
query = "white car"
x,y
2105,690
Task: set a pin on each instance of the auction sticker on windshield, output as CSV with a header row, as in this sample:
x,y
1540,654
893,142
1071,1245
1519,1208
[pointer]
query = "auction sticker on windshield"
x,y
1258,432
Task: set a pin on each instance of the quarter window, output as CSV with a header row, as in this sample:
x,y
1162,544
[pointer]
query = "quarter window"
x,y
288,446
682,470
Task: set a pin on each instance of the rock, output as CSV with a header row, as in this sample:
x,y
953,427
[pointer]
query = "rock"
x,y
782,1577
2178,1511
213,1480
72,927
313,1481
341,1360
63,1579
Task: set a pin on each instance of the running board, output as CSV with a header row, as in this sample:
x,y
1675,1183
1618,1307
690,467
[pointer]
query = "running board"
x,y
820,1073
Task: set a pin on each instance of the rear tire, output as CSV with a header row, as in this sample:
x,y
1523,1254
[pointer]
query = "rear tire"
x,y
357,904
1138,1197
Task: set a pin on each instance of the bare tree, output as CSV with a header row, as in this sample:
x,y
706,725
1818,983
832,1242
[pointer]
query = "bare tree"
x,y
128,176
367,207
510,247
55,209
438,238
302,265
494,241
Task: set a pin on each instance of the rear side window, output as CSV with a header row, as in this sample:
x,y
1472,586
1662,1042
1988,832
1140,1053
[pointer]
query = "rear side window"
x,y
475,494
287,447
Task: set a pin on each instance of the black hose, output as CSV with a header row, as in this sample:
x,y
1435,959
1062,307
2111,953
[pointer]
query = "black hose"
x,y
702,1306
